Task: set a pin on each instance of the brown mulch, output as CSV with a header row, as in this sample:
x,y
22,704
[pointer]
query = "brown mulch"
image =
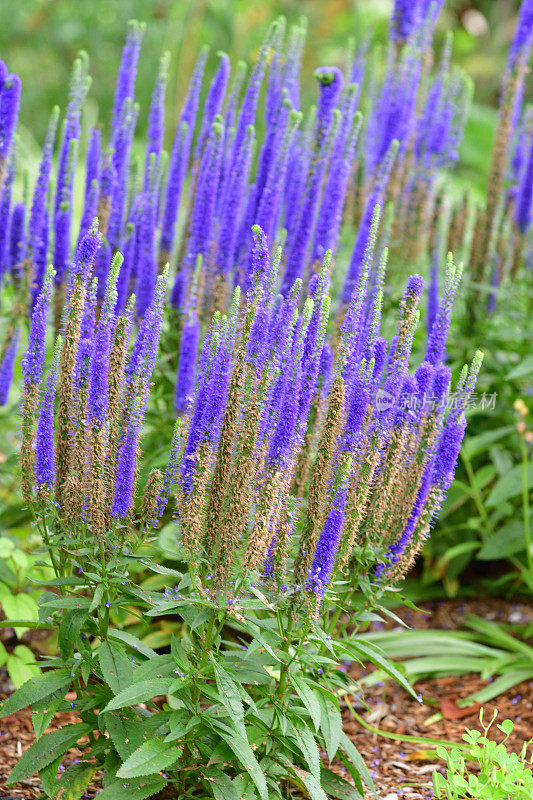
x,y
401,770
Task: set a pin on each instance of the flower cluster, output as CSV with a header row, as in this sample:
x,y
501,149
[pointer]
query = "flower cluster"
x,y
310,169
81,422
292,465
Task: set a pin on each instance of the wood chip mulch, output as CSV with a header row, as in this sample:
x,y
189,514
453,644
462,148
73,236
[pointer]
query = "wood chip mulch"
x,y
401,770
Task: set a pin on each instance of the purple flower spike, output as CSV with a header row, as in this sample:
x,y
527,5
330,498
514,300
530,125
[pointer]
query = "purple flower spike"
x,y
33,359
523,38
213,101
17,240
156,117
523,209
441,385
44,441
38,228
86,252
324,559
423,376
5,209
190,338
98,388
7,366
9,109
126,466
146,256
127,72
326,368
179,156
448,451
330,80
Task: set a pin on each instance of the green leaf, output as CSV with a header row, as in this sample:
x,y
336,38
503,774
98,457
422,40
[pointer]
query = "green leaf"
x,y
20,606
47,776
355,757
132,789
221,785
307,744
139,693
229,696
510,485
117,669
97,597
313,787
46,749
34,690
522,370
3,655
476,444
63,603
75,780
331,725
69,631
245,755
370,653
126,730
133,642
308,698
42,712
151,757
507,541
21,665
337,787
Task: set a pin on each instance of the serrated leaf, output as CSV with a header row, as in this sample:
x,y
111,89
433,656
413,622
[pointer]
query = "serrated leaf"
x,y
230,697
307,744
357,761
54,602
139,693
331,725
3,655
117,669
34,690
510,485
308,698
47,776
313,787
151,757
42,713
69,631
133,642
75,780
221,785
371,653
132,789
126,731
46,750
245,756
97,597
337,787
507,541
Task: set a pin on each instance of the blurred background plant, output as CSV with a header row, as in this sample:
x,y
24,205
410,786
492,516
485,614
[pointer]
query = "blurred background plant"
x,y
40,38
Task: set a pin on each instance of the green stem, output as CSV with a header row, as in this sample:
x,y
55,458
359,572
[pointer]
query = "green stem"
x,y
402,737
285,666
476,497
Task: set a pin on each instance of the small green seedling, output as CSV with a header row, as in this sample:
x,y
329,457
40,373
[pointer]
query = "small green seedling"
x,y
502,775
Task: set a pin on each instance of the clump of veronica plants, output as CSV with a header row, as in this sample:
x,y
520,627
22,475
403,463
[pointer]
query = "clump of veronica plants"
x,y
305,474
311,454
